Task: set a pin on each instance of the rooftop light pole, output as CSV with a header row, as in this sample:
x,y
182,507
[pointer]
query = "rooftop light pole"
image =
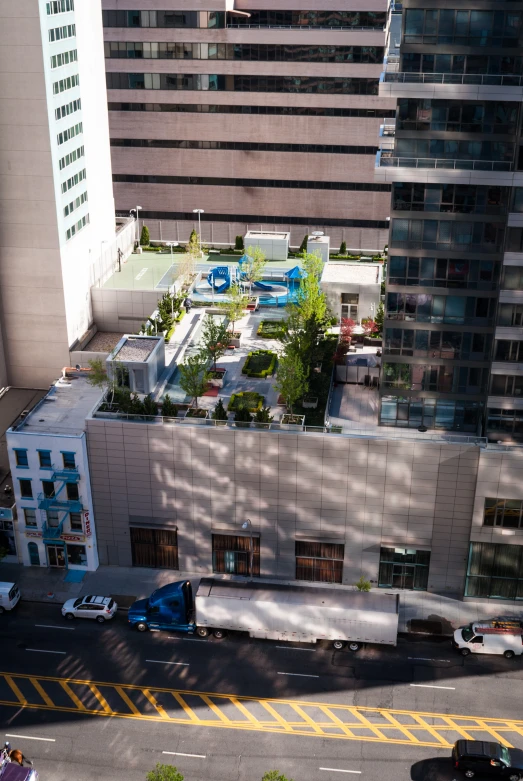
x,y
199,212
172,244
136,211
248,525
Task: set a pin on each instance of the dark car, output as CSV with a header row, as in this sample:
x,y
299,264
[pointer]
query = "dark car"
x,y
479,758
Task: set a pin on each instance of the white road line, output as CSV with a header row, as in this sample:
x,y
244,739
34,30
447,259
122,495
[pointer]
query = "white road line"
x,y
426,659
180,754
142,272
428,686
159,661
290,648
29,737
300,675
54,626
154,630
337,770
40,651
189,639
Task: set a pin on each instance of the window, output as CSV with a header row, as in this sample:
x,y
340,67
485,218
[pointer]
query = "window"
x,y
75,522
507,350
74,180
59,33
53,520
503,512
441,414
59,6
406,568
495,570
45,459
76,555
218,181
48,489
443,272
503,385
319,561
450,198
29,517
69,460
71,132
240,146
26,489
8,542
231,554
63,58
505,421
74,205
452,310
451,345
34,556
317,222
68,108
21,457
302,111
66,83
349,306
154,548
77,227
72,492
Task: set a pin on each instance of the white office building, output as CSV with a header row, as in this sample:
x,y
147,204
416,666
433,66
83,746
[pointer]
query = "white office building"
x,y
56,199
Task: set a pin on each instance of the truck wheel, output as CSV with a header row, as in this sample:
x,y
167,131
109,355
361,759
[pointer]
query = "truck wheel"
x,y
509,655
202,631
469,773
465,652
219,633
514,777
338,645
141,626
354,647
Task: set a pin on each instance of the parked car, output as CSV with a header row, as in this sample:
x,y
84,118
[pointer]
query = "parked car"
x,y
9,596
91,606
482,758
499,636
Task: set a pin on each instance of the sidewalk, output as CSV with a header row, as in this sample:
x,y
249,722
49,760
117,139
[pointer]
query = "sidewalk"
x,y
129,583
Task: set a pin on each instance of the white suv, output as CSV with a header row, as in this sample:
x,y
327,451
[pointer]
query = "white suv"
x,y
101,608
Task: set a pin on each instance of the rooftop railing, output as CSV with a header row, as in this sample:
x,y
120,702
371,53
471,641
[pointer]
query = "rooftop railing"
x,y
499,80
304,27
384,160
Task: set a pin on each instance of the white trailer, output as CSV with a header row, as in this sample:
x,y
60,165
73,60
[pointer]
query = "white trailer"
x,y
303,614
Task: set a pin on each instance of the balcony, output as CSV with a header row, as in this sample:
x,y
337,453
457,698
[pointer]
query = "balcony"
x,y
467,86
61,474
389,168
54,503
52,532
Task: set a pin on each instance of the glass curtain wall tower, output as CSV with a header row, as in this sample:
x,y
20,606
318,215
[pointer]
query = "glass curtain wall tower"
x,y
454,297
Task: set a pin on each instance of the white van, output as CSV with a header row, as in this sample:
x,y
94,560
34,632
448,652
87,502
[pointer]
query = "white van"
x,y
9,596
490,637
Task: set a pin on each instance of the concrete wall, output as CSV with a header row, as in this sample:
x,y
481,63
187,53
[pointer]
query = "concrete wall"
x,y
361,492
500,476
123,310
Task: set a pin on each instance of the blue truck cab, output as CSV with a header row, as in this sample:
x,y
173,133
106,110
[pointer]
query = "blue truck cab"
x,y
169,607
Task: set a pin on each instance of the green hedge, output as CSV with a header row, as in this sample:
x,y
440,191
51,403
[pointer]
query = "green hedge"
x,y
271,329
260,363
249,399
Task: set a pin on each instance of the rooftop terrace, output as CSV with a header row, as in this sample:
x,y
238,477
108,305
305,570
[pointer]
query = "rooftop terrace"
x,y
63,410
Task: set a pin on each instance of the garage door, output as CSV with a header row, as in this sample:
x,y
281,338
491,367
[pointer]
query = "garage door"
x,y
154,548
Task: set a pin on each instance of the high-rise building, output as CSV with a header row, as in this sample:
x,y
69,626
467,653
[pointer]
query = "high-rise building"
x,y
56,202
263,115
454,303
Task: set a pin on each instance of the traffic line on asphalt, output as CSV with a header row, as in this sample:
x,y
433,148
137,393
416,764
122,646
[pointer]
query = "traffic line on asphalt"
x,y
29,737
55,626
338,770
426,659
181,754
300,675
281,716
41,651
290,648
159,661
430,686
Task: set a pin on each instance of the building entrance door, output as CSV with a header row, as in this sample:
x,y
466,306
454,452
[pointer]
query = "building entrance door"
x,y
55,556
402,576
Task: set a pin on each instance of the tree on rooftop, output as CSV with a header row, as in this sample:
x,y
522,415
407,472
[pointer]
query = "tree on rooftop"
x,y
145,237
253,271
164,773
99,378
291,378
234,307
194,377
215,338
379,319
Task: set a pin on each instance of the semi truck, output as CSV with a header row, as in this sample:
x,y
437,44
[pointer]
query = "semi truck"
x,y
272,611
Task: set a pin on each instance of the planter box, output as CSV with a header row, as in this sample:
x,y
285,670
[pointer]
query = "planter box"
x,y
187,417
368,342
235,340
293,422
217,378
310,402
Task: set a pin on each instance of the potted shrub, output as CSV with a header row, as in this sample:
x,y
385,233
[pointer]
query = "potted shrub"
x,y
263,418
196,414
220,414
217,377
169,409
309,402
243,417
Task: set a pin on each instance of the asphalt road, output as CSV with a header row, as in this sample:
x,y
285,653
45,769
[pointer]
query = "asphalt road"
x,y
419,676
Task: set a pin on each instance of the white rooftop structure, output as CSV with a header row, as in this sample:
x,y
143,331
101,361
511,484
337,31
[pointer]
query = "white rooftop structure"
x,y
353,290
275,244
352,273
64,409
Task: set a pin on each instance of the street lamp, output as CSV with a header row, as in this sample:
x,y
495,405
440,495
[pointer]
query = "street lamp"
x,y
138,208
199,212
172,244
248,525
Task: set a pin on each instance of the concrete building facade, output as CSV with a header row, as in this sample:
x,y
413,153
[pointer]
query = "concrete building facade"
x,y
262,117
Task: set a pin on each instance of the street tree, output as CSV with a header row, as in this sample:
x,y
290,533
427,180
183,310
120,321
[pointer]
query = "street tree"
x,y
164,773
215,338
275,775
234,307
253,271
291,378
194,377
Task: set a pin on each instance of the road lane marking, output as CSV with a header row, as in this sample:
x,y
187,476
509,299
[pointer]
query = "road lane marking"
x,y
188,639
300,675
79,704
132,707
29,737
43,694
159,661
426,659
337,770
101,699
430,686
155,704
55,626
41,651
16,690
181,754
291,648
142,272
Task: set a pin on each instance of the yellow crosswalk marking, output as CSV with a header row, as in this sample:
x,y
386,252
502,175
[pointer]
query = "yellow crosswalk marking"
x,y
335,721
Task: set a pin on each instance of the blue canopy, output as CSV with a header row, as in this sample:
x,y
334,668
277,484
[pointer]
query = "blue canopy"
x,y
295,273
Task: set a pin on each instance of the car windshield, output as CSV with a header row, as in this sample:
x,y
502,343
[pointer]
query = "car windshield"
x,y
77,602
505,756
110,605
467,633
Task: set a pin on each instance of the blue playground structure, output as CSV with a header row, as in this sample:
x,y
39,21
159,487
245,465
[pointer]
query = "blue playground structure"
x,y
220,272
244,261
